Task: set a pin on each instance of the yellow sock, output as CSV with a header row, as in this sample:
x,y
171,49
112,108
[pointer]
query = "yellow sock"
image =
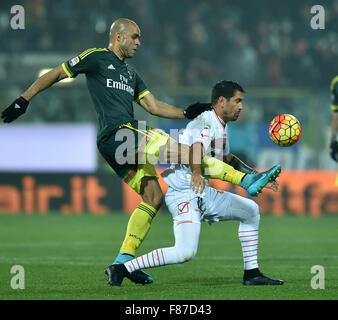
x,y
216,169
138,227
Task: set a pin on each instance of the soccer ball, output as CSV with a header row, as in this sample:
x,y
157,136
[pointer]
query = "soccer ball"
x,y
285,130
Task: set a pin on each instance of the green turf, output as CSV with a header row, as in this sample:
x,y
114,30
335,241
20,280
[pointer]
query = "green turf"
x,y
64,258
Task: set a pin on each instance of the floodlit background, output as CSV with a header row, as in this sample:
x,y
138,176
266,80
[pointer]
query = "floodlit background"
x,y
284,65
271,49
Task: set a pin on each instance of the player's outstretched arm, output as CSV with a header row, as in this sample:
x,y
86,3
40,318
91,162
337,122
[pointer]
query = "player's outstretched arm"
x,y
44,82
164,110
19,106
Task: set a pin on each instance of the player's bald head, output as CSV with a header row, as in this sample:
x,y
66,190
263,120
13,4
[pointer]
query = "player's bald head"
x,y
121,25
124,38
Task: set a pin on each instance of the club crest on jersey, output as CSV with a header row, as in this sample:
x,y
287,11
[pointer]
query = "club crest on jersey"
x,y
205,133
74,61
130,75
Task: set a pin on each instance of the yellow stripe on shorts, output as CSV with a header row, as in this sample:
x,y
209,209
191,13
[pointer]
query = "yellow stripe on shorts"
x,y
135,176
158,138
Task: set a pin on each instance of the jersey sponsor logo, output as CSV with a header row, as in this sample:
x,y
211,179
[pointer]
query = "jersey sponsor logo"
x,y
120,86
183,207
74,61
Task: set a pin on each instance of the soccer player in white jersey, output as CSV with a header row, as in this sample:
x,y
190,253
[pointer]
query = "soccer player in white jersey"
x,y
207,134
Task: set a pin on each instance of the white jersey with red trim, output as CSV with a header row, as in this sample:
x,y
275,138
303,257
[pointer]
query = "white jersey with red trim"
x,y
207,129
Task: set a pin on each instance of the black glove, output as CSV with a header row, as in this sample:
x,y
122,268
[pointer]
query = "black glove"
x,y
196,109
15,110
334,150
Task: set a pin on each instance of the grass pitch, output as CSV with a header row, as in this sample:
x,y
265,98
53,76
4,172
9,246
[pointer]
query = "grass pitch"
x,y
64,257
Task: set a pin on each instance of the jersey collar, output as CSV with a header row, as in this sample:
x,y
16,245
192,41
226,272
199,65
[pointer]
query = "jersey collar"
x,y
116,58
221,121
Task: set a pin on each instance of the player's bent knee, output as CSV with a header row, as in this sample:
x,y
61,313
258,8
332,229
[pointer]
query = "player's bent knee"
x,y
255,209
155,201
185,254
255,215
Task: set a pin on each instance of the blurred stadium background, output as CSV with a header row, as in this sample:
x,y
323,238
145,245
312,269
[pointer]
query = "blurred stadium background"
x,y
49,157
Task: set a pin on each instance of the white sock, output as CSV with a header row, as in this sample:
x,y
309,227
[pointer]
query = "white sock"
x,y
155,258
248,236
186,243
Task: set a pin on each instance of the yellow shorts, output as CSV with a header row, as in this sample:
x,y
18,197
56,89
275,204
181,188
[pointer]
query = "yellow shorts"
x,y
143,147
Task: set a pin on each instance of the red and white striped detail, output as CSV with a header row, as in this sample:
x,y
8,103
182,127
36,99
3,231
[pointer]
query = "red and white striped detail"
x,y
152,259
249,243
183,221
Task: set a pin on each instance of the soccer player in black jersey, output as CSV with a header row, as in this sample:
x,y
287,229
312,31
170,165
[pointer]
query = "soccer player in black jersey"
x,y
114,86
334,121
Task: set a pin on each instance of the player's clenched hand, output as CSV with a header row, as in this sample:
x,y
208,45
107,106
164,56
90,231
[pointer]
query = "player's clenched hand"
x,y
15,110
196,109
273,185
197,183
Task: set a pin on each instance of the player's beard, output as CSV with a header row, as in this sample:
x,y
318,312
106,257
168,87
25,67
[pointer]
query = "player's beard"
x,y
129,52
236,115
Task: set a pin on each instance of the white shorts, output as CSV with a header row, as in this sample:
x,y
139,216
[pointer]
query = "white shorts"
x,y
214,206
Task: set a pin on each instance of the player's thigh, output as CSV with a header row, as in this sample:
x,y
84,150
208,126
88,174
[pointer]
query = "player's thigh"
x,y
174,152
183,205
150,143
187,233
125,149
243,209
140,177
221,205
134,142
184,208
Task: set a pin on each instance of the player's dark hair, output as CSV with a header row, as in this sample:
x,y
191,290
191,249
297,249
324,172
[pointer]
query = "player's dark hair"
x,y
224,89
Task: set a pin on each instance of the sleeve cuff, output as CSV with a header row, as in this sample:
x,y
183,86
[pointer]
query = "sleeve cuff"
x,y
67,70
141,95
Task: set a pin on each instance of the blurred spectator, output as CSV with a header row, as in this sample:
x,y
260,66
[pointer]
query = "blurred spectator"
x,y
240,62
